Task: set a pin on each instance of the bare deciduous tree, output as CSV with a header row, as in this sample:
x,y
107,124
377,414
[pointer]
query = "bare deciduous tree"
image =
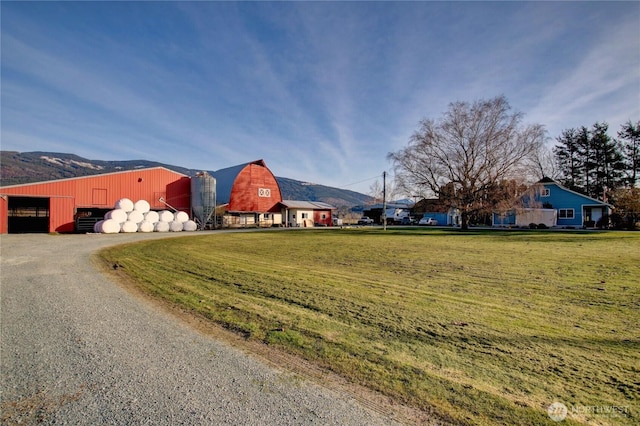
x,y
375,192
472,147
542,163
393,193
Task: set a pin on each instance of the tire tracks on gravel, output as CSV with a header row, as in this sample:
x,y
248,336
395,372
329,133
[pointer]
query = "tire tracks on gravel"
x,y
78,349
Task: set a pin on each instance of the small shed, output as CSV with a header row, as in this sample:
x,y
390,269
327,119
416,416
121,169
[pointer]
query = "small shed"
x,y
306,213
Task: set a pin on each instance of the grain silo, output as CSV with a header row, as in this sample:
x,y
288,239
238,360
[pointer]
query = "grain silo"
x,y
203,199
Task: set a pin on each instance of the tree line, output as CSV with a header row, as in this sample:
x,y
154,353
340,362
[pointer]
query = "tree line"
x,y
591,162
478,156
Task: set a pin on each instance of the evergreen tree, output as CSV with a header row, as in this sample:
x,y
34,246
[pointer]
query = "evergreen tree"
x,y
568,159
585,159
606,163
630,135
590,161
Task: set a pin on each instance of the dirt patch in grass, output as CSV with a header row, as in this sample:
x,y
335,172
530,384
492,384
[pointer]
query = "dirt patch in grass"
x,y
36,408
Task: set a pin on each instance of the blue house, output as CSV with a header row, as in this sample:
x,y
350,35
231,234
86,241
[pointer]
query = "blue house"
x,y
550,203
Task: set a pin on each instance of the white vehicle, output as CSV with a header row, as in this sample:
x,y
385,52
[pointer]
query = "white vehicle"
x,y
427,221
395,216
365,220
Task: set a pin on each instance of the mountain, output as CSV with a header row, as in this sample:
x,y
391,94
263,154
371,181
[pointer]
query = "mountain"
x,y
27,167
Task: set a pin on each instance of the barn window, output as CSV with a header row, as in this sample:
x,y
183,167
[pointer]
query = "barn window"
x,y
264,192
324,215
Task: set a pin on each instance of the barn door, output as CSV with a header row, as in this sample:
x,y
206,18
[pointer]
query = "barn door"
x,y
28,215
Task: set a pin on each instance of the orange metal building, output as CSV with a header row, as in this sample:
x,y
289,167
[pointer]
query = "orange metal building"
x,y
55,206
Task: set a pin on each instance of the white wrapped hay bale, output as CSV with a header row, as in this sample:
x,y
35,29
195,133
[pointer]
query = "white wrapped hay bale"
x,y
175,226
165,216
161,227
129,226
142,206
118,215
189,225
135,216
145,226
97,227
152,216
124,204
110,226
181,217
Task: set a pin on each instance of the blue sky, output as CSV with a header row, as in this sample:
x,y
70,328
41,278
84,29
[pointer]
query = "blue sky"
x,y
321,91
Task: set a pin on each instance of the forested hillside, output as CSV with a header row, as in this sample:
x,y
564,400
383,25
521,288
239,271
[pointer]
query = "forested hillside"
x,y
26,167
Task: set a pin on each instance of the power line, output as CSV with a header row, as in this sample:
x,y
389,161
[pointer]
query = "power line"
x,y
355,183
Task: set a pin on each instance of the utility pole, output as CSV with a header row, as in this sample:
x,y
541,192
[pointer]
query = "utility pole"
x,y
384,200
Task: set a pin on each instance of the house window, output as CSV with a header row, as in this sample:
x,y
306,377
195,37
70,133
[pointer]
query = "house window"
x,y
565,213
266,215
305,215
546,192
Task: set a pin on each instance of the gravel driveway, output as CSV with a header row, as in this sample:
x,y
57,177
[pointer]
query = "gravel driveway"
x,y
78,349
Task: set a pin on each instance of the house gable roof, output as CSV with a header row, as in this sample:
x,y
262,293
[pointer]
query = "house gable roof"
x,y
548,181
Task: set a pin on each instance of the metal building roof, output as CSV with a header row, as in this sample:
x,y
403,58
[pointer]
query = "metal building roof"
x,y
311,205
96,176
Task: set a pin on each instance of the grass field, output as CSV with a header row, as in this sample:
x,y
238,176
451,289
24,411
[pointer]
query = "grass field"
x,y
475,328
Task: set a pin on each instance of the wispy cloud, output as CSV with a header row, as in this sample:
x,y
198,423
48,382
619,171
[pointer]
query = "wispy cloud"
x,y
603,86
321,91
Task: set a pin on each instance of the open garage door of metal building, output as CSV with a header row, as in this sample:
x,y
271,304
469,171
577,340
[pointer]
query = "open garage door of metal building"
x,y
28,215
86,218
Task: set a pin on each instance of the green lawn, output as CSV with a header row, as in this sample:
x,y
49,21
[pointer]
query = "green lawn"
x,y
477,328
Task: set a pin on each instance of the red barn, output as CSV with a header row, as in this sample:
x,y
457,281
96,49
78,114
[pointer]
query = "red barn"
x,y
250,195
59,205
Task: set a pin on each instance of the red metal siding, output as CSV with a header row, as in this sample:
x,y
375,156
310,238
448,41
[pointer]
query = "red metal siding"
x,y
317,217
103,191
4,214
61,214
246,194
178,194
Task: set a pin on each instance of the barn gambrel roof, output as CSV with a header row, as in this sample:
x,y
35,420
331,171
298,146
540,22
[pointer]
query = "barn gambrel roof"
x,y
226,177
